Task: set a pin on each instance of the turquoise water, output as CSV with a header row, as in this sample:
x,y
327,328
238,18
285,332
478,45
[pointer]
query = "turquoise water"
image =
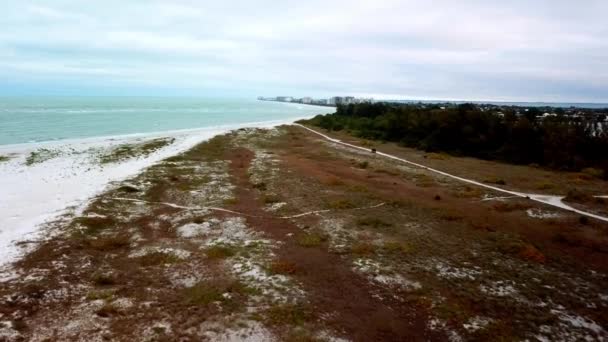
x,y
28,119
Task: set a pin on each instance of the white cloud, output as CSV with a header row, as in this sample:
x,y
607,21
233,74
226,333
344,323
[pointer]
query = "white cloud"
x,y
424,49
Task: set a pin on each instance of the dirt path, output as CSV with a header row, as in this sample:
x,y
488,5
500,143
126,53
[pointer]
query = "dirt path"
x,y
347,301
555,201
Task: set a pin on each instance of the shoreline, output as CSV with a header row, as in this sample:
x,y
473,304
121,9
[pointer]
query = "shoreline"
x,y
36,195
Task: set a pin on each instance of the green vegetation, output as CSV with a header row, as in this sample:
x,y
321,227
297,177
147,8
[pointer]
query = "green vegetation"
x,y
127,151
109,243
373,222
158,258
4,158
96,295
224,291
220,251
103,279
362,248
310,239
107,310
396,247
340,204
513,134
41,155
288,314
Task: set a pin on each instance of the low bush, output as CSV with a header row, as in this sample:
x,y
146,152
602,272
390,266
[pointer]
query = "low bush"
x,y
310,239
283,267
220,251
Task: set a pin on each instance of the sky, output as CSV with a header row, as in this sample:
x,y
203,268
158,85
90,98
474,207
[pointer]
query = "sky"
x,y
516,50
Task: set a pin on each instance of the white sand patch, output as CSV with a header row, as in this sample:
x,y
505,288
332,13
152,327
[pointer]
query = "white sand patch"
x,y
378,273
278,287
436,324
499,288
572,327
247,331
194,230
325,335
178,253
487,197
451,272
339,236
122,303
580,322
8,331
182,278
276,206
231,230
542,214
78,324
476,323
7,273
151,333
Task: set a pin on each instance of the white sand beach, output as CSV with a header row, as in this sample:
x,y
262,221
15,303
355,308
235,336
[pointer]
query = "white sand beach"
x,y
71,174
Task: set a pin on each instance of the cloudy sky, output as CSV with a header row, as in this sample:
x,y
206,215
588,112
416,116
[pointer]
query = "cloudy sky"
x,y
541,50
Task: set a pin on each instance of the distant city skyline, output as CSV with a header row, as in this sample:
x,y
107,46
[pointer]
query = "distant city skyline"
x,y
542,51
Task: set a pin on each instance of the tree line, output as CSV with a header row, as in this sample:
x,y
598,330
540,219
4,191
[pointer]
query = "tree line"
x,y
512,134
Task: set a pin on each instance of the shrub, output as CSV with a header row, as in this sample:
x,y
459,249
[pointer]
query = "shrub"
x,y
96,295
578,196
436,156
334,181
283,267
109,243
260,186
510,206
493,180
373,222
220,251
531,253
95,224
207,292
595,173
288,314
396,247
341,204
107,310
270,199
158,258
362,248
310,239
231,201
103,279
363,165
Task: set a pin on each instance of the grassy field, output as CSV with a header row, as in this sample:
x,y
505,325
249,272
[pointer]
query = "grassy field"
x,y
279,235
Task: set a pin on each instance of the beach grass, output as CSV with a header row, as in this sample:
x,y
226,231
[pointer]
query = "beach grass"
x,y
133,150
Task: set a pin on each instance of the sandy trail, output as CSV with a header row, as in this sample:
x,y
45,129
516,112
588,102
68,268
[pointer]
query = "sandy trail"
x,y
555,201
177,206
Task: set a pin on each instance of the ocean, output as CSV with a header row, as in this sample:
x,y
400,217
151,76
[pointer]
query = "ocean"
x,y
38,119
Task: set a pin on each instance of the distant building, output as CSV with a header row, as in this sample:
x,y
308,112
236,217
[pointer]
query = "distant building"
x,y
307,100
284,98
336,100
